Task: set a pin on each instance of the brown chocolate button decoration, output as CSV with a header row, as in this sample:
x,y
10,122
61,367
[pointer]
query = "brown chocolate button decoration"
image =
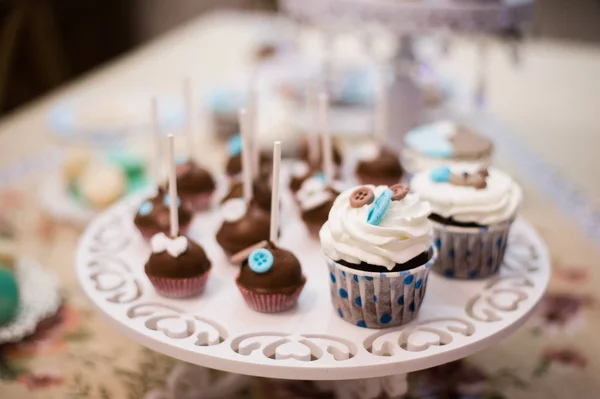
x,y
361,196
476,180
399,191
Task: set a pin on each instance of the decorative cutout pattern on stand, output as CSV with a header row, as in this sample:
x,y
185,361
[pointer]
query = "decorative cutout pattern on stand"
x,y
502,295
306,347
418,337
114,280
177,324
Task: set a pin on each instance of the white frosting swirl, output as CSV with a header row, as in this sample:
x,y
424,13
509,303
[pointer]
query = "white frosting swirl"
x,y
497,202
403,233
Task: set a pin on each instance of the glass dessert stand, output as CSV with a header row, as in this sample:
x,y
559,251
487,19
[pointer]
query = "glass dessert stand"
x,y
309,342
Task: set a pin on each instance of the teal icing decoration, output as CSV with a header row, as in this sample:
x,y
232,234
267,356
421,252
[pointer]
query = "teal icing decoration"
x,y
145,208
234,145
260,260
379,207
167,201
430,141
320,176
441,174
9,296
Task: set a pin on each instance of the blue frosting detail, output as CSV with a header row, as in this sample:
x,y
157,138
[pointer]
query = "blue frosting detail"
x,y
260,260
234,145
145,208
441,174
430,140
343,293
380,205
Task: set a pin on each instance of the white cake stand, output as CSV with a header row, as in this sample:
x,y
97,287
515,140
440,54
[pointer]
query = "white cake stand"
x,y
310,342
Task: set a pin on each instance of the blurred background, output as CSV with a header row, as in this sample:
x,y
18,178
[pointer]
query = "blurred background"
x,y
47,43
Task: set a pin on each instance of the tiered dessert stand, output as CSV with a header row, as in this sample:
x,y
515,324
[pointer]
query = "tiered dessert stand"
x,y
309,342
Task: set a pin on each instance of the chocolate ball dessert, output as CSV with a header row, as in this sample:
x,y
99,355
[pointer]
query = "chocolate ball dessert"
x,y
233,168
315,199
381,168
243,226
303,153
177,267
261,189
270,279
152,216
195,186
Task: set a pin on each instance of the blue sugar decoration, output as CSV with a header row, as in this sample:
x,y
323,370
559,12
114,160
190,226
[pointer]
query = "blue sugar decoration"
x,y
234,145
380,205
145,208
441,174
260,260
167,201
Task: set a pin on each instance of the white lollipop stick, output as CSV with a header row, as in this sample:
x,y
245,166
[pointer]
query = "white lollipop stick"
x,y
173,209
158,161
313,135
189,110
381,111
275,192
326,138
246,155
252,124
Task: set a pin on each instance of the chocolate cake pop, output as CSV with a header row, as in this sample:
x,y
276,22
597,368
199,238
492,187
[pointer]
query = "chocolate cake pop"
x,y
243,226
315,199
152,216
303,153
261,188
195,185
233,168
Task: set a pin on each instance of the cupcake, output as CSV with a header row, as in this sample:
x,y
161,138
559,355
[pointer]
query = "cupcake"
x,y
195,186
261,189
243,225
472,211
378,166
233,168
177,267
152,216
315,199
270,278
378,247
444,143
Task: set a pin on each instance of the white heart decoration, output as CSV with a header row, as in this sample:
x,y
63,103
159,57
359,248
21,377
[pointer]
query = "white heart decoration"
x,y
174,246
234,209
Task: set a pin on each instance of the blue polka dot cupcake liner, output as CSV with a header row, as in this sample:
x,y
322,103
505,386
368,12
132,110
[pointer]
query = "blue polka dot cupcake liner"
x,y
470,252
378,300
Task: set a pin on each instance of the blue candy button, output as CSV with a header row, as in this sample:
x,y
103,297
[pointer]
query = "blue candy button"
x,y
379,207
441,174
145,208
320,176
167,201
260,260
234,145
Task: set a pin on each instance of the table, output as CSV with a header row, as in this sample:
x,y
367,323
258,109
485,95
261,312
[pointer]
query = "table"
x,y
78,355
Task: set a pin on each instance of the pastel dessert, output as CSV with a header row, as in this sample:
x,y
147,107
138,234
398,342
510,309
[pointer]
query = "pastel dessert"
x,y
315,199
261,189
152,216
100,184
270,278
472,211
378,166
378,247
195,186
243,225
303,153
177,266
445,143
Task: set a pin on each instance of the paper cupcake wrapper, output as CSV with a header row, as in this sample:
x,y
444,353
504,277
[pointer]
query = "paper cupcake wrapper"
x,y
378,300
470,252
198,202
179,287
270,303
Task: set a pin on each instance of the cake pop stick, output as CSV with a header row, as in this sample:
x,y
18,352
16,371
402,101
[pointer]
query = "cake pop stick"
x,y
275,192
246,155
173,208
158,161
252,126
189,111
313,135
326,138
381,110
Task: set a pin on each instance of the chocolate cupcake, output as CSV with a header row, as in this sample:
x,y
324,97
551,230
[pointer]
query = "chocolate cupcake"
x,y
152,216
378,246
243,225
270,278
261,189
177,267
379,166
195,186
